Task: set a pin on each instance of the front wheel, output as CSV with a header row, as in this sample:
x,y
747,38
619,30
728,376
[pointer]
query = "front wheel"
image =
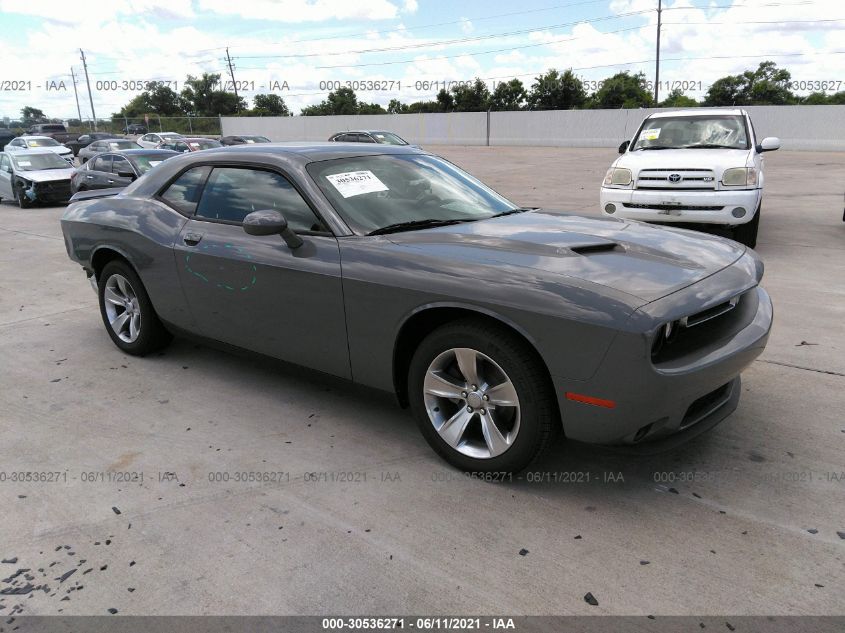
x,y
481,397
747,233
21,199
127,312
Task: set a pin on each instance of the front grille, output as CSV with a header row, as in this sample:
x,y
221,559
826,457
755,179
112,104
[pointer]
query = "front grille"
x,y
674,207
53,190
706,405
676,179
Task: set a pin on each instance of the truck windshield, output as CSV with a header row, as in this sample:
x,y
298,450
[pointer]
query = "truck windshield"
x,y
682,132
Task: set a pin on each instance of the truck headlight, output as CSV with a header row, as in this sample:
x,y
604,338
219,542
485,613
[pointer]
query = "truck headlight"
x,y
740,177
617,177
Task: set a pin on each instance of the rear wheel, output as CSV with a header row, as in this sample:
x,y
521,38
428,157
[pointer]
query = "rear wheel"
x,y
747,233
127,312
481,397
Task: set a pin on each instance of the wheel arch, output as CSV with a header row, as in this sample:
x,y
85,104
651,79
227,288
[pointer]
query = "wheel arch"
x,y
102,255
425,319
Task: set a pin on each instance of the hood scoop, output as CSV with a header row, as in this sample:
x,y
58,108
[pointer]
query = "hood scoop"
x,y
595,249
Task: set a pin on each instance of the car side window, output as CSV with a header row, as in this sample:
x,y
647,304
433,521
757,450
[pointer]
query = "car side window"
x,y
365,138
102,163
234,192
184,192
96,146
120,164
5,163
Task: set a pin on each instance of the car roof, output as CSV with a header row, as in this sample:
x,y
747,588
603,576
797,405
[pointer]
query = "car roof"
x,y
140,151
35,136
699,112
197,138
31,152
312,152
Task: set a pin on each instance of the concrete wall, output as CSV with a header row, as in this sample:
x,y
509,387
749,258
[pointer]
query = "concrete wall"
x,y
799,127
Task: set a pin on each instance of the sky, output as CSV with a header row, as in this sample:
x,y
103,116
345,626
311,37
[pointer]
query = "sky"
x,y
302,49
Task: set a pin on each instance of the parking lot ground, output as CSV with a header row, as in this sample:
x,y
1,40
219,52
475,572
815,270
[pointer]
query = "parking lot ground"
x,y
356,515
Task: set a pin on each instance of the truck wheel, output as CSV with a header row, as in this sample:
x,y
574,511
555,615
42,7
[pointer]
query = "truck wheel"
x,y
747,233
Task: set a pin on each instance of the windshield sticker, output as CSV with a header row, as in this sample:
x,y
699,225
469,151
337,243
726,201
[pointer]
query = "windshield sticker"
x,y
24,163
651,134
355,183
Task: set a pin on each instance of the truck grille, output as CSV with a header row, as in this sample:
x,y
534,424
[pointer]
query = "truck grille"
x,y
676,179
674,207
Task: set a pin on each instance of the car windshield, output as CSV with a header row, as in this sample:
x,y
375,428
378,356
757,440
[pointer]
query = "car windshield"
x,y
388,138
33,162
203,144
374,192
145,162
727,131
41,142
116,145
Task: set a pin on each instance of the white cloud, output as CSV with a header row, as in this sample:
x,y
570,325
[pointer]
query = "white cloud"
x,y
303,10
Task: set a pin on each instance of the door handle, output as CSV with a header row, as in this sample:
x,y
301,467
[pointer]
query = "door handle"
x,y
111,182
89,177
192,239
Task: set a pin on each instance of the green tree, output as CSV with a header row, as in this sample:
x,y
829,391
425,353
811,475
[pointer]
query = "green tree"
x,y
269,105
396,107
30,115
200,97
371,108
677,99
445,101
424,106
623,90
768,85
342,101
822,98
554,91
474,97
157,99
508,95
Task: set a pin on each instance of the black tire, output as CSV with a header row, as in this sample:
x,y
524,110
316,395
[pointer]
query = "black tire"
x,y
152,335
538,417
747,233
21,199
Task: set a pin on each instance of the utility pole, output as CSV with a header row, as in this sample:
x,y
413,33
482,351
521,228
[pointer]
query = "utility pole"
x,y
657,63
88,81
234,85
76,95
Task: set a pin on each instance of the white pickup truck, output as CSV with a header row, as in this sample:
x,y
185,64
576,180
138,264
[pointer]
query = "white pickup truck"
x,y
695,166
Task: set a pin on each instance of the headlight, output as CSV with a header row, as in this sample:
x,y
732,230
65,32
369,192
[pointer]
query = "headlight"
x,y
617,177
740,177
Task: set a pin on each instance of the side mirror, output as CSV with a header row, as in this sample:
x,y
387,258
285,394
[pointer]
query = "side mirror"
x,y
270,222
624,147
768,144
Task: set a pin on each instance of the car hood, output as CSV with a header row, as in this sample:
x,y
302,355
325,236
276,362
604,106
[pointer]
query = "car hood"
x,y
716,159
644,261
46,175
58,149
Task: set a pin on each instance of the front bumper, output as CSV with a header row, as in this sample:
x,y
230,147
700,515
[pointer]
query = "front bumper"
x,y
668,402
681,206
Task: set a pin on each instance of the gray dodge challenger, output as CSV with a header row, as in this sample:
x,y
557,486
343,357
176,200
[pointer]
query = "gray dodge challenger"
x,y
499,326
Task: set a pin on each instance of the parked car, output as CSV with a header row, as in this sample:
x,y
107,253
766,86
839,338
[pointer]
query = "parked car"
x,y
6,137
190,144
154,139
86,139
135,128
54,130
117,169
23,143
369,136
243,140
34,175
498,325
710,171
106,145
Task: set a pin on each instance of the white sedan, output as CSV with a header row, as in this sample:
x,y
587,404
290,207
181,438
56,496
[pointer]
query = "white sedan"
x,y
23,143
154,139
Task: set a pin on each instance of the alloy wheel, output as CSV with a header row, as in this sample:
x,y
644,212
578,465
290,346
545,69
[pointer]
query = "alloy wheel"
x,y
122,308
472,403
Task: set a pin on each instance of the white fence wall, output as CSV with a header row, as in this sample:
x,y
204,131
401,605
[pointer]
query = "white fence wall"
x,y
799,127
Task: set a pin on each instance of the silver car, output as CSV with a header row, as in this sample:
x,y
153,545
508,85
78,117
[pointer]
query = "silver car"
x,y
106,145
154,139
30,176
23,143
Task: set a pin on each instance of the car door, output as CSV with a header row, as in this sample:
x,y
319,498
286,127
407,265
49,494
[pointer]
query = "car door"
x,y
255,292
98,174
6,177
